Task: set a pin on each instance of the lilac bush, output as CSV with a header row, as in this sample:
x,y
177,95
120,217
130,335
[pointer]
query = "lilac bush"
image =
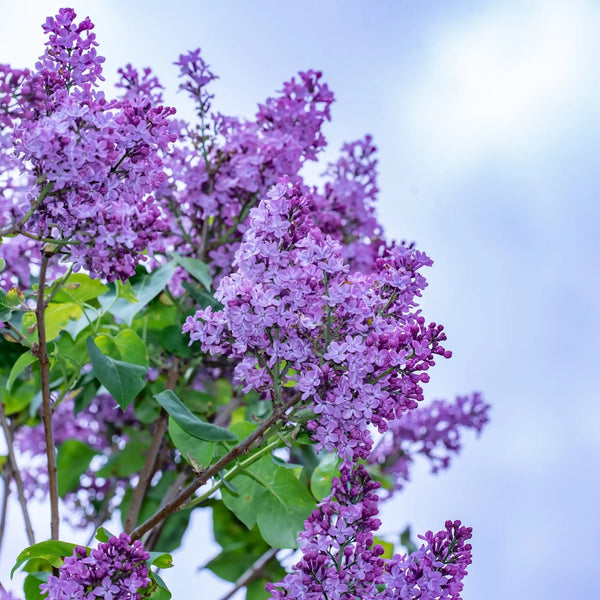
x,y
187,324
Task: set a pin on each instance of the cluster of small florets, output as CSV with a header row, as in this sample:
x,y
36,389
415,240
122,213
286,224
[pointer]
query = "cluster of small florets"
x,y
92,164
433,572
339,560
115,570
433,431
354,345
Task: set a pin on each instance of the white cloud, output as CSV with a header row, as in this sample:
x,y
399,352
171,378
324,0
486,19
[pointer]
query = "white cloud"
x,y
507,80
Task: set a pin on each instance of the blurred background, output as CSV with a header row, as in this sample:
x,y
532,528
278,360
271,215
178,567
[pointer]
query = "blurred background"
x,y
487,122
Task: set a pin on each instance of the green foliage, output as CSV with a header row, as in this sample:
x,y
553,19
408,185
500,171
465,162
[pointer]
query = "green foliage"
x,y
73,460
123,380
189,422
326,470
271,497
51,551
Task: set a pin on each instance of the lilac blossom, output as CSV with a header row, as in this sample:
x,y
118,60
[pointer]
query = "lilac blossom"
x,y
340,560
91,164
116,570
432,431
354,345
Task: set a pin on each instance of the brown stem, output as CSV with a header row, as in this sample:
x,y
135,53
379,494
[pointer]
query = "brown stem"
x,y
42,354
16,474
204,475
149,467
252,573
6,481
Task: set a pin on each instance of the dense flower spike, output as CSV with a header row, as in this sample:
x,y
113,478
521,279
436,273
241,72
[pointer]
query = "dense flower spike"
x,y
433,431
339,560
115,570
91,164
353,344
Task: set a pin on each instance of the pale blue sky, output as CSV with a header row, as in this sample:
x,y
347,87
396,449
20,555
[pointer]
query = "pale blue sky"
x,y
486,116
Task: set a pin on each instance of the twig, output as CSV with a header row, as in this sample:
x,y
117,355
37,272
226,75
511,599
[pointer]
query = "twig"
x,y
204,475
151,457
16,474
42,354
6,480
252,572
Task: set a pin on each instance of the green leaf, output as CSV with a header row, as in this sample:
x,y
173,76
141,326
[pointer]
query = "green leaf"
x,y
103,535
80,288
20,364
407,542
52,550
203,298
123,380
5,309
196,268
57,317
125,462
126,345
31,586
72,461
145,287
189,422
201,451
326,470
274,499
162,560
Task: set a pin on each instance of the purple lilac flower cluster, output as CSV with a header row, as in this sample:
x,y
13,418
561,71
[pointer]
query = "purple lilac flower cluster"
x,y
433,431
354,344
115,570
91,164
433,572
341,562
345,209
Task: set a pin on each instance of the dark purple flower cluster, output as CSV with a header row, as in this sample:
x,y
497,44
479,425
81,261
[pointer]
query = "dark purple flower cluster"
x,y
91,164
433,572
341,562
116,570
353,344
433,431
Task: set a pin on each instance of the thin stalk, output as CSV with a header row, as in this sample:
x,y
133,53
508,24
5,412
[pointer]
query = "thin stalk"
x,y
206,474
42,354
149,467
16,474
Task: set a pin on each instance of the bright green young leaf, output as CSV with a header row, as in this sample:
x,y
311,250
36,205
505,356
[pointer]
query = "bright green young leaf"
x,y
123,380
5,309
72,460
80,288
52,550
145,287
103,535
20,364
127,345
326,470
20,396
162,560
201,451
57,317
196,268
189,422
